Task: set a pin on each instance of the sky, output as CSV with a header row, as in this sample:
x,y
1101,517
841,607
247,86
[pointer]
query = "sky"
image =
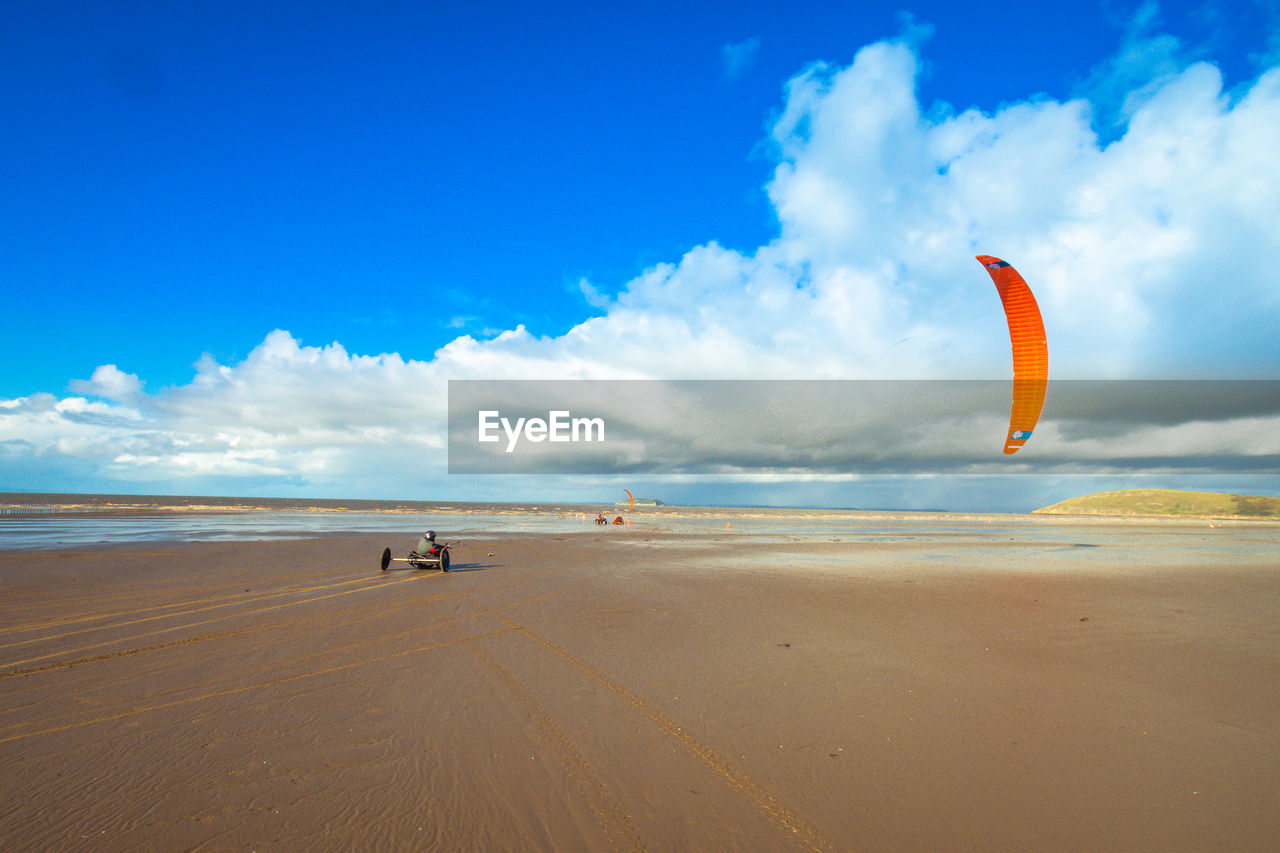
x,y
244,247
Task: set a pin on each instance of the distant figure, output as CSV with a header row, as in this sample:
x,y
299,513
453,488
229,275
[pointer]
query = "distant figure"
x,y
600,519
619,520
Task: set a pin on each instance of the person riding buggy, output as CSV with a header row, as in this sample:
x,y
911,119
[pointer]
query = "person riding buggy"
x,y
427,546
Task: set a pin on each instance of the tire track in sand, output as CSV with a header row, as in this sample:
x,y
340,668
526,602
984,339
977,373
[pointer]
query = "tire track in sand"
x,y
12,673
349,617
436,597
382,581
764,802
185,641
608,811
219,604
169,630
244,688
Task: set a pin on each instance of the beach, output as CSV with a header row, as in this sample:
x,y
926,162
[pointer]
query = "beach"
x,y
1096,685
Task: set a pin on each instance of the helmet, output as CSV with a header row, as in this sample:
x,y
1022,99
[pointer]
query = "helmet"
x,y
430,535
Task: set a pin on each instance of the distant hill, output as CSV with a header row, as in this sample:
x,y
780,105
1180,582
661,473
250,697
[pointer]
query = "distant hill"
x,y
1168,502
641,502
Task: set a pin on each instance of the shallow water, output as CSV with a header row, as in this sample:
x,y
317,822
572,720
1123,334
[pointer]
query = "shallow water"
x,y
1068,538
94,529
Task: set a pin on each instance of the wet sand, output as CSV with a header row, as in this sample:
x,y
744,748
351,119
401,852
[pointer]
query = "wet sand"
x,y
628,689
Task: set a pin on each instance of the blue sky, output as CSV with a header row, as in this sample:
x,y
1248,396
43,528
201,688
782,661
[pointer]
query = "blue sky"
x,y
405,193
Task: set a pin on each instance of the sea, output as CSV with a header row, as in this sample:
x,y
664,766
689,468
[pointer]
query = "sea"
x,y
44,521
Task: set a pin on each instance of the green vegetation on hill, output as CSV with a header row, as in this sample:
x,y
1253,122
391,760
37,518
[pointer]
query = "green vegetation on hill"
x,y
1168,502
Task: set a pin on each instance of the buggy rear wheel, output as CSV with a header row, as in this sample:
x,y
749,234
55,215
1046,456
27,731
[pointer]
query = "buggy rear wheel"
x,y
444,562
386,558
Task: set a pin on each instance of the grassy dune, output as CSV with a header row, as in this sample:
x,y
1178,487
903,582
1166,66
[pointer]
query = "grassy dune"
x,y
1168,502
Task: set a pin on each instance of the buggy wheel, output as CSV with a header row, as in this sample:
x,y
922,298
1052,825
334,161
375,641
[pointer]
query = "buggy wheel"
x,y
386,558
444,562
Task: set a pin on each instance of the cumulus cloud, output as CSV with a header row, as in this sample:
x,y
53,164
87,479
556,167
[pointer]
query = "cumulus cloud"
x,y
110,382
1151,249
286,411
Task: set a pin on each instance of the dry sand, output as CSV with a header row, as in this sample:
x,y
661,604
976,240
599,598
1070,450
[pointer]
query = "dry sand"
x,y
624,690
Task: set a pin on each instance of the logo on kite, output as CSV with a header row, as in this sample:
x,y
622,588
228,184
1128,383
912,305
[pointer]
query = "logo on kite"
x,y
1030,350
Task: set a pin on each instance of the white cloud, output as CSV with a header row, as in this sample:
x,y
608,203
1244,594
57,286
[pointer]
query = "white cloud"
x,y
110,382
1146,60
593,295
738,57
1152,254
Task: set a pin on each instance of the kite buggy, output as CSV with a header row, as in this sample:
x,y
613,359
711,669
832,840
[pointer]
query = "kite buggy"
x,y
428,555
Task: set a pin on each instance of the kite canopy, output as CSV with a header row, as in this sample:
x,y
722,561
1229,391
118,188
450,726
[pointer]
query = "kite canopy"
x,y
633,500
1030,350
